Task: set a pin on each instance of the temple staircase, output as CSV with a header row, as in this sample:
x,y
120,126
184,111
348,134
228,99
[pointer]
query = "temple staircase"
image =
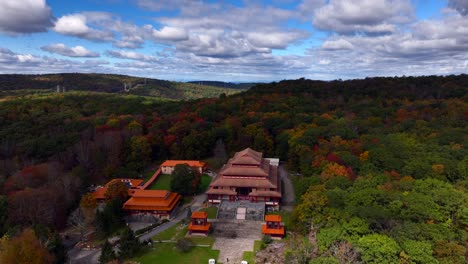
x,y
241,210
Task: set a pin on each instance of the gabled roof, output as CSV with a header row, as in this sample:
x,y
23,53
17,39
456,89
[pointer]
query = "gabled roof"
x,y
191,163
247,156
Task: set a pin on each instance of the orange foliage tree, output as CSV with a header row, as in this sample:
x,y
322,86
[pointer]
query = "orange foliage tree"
x,y
24,248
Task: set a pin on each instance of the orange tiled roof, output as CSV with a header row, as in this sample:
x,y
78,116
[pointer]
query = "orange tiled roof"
x,y
152,203
272,231
191,163
151,193
193,227
199,215
99,193
273,218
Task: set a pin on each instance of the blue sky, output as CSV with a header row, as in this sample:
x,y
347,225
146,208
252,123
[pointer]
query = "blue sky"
x,y
235,40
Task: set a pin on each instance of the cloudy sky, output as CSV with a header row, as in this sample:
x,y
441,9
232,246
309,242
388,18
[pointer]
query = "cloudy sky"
x,y
235,40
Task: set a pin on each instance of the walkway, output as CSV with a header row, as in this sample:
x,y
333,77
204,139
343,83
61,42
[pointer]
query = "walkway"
x,y
151,180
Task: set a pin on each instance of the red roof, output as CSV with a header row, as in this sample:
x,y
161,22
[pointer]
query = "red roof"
x,y
273,231
273,218
152,203
199,215
191,163
205,227
151,194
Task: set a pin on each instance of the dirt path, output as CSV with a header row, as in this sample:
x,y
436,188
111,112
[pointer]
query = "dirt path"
x,y
288,191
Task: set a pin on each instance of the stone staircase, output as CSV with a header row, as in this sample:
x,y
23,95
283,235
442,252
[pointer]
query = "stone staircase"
x,y
241,210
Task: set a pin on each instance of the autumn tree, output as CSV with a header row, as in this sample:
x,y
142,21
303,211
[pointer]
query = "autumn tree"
x,y
88,206
116,189
25,248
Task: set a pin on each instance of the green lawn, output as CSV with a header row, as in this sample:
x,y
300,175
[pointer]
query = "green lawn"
x,y
166,253
212,211
163,182
204,183
249,256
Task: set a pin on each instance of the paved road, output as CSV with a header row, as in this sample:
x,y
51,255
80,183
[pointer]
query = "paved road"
x,y
288,191
180,216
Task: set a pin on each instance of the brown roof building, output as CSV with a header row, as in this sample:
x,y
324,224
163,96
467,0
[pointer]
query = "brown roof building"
x,y
247,176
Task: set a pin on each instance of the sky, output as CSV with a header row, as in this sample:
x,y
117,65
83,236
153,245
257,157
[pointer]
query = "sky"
x,y
236,41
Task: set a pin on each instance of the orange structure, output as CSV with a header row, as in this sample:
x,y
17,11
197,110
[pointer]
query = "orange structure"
x,y
199,223
133,184
168,166
157,202
273,226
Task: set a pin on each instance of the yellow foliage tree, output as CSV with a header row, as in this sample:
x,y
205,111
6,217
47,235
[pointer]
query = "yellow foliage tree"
x,y
24,248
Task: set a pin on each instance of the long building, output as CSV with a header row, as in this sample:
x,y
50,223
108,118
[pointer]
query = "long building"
x,y
247,176
157,202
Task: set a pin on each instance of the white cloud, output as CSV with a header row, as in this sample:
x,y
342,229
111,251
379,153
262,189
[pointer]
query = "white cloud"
x,y
338,44
25,16
77,51
131,55
170,33
363,16
76,25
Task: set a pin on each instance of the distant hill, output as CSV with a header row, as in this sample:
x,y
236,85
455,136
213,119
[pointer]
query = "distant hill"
x,y
229,85
14,84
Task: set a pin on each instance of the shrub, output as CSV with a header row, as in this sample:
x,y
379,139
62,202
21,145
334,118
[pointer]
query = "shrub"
x,y
184,244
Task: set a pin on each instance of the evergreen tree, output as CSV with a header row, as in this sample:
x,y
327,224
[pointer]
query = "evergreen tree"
x,y
107,253
129,244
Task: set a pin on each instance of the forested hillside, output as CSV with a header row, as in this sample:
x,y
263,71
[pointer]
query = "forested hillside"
x,y
380,165
23,84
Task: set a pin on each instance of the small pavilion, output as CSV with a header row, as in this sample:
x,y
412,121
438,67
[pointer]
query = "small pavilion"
x,y
199,224
273,226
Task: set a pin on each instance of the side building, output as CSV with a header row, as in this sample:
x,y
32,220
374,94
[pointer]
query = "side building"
x,y
247,176
168,166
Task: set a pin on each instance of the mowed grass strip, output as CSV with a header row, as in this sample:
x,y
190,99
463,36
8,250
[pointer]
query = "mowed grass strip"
x,y
249,256
167,253
163,182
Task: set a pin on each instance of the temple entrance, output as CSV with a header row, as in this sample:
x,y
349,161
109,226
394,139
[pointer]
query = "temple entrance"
x,y
243,192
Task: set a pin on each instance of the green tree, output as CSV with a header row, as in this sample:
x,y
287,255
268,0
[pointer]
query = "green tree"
x,y
419,252
107,253
3,214
129,244
182,180
379,249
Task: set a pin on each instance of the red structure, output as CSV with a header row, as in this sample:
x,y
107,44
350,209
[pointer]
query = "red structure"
x,y
273,226
199,223
247,176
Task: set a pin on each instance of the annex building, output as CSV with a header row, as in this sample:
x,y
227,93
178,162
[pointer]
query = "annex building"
x,y
168,166
247,176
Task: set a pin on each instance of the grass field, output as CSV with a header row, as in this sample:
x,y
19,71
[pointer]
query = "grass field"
x,y
249,256
166,253
204,183
163,182
212,211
